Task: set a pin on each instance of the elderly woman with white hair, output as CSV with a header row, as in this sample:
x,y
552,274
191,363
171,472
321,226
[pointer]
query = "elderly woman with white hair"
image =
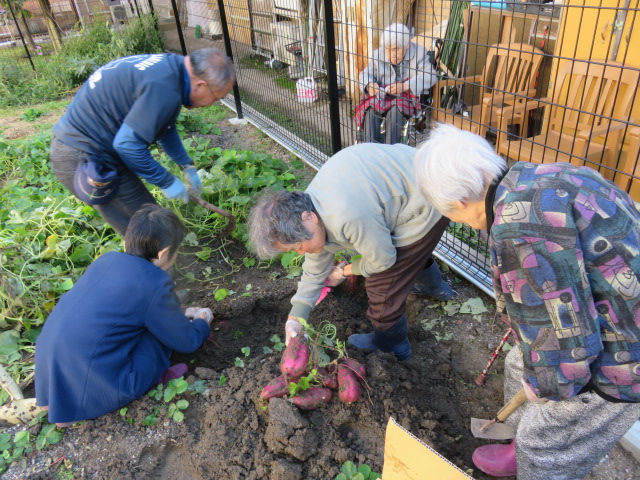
x,y
563,245
397,73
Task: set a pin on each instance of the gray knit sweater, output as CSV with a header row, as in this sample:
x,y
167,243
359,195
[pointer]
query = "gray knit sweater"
x,y
367,200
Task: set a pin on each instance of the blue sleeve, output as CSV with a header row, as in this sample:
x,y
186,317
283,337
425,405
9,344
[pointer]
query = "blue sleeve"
x,y
135,154
166,321
172,145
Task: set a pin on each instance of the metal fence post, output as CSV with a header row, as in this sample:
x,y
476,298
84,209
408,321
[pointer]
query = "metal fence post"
x,y
227,46
24,44
176,15
332,76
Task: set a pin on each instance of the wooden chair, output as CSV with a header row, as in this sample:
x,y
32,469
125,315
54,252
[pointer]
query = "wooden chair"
x,y
630,165
508,77
588,113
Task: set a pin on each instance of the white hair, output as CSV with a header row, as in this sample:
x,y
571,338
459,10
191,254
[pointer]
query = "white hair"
x,y
396,35
455,165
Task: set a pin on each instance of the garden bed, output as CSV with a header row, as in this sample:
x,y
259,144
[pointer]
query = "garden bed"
x,y
228,434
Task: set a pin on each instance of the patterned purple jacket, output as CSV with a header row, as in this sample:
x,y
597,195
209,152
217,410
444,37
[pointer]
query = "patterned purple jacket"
x,y
565,252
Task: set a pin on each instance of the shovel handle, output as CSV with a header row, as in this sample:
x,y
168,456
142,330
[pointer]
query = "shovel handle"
x,y
511,406
232,220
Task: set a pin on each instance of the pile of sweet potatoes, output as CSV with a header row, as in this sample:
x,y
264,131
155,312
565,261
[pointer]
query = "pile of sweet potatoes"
x,y
345,375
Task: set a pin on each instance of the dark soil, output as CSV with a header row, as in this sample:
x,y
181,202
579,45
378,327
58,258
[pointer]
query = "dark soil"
x,y
229,434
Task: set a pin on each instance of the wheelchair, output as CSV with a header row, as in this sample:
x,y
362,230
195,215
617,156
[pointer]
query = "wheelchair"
x,y
416,127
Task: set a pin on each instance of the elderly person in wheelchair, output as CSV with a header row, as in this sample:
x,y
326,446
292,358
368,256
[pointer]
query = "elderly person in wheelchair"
x,y
397,74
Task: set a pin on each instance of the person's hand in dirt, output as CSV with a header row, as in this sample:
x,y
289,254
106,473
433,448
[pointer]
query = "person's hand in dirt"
x,y
292,329
339,274
196,312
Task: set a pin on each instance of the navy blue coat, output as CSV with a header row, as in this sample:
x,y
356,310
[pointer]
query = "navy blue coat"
x,y
109,338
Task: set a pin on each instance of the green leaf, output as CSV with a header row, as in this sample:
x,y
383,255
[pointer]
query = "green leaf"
x,y
178,416
222,380
246,351
358,476
451,308
150,420
182,404
266,349
66,285
220,294
238,362
473,306
349,469
365,470
342,476
204,254
22,438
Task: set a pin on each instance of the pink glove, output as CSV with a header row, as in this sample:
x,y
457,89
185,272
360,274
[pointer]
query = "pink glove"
x,y
325,291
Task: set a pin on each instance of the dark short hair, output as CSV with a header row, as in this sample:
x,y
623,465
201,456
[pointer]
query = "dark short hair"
x,y
151,229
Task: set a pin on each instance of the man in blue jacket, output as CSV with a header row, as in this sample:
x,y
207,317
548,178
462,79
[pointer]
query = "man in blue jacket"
x,y
109,338
100,146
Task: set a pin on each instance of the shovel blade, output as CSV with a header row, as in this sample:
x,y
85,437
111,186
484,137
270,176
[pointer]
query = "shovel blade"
x,y
495,431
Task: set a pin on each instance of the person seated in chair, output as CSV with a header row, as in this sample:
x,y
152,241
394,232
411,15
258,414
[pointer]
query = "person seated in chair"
x,y
397,73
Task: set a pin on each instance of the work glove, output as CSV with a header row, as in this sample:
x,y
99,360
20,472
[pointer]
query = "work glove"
x,y
176,191
337,276
193,180
196,312
292,329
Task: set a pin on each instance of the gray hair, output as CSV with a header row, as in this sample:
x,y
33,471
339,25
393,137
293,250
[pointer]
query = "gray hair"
x,y
277,218
455,165
213,66
396,35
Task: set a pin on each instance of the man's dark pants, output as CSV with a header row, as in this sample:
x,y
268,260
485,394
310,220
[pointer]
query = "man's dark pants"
x,y
132,193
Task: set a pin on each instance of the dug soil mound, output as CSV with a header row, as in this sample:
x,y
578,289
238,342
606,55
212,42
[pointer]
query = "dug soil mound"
x,y
229,434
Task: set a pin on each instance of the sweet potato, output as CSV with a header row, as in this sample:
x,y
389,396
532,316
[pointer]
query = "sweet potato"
x,y
349,388
312,398
295,357
329,379
355,367
278,387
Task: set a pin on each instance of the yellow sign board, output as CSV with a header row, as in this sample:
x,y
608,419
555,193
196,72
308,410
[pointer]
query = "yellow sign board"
x,y
408,458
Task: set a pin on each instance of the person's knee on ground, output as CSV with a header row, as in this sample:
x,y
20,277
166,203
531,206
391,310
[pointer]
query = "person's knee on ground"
x,y
394,339
430,283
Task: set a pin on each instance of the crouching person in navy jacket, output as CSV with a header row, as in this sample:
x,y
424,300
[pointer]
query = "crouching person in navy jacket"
x,y
109,338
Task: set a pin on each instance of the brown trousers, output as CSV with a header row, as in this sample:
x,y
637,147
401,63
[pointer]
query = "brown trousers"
x,y
388,290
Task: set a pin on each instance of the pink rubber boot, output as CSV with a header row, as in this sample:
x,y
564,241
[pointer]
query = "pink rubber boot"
x,y
496,460
175,371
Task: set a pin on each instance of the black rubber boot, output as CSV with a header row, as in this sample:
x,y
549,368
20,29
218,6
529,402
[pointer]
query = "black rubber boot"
x,y
430,283
395,339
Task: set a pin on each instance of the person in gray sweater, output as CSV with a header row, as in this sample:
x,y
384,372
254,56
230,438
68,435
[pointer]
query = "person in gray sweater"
x,y
363,199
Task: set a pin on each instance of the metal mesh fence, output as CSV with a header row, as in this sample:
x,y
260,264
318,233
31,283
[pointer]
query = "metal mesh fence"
x,y
31,31
542,82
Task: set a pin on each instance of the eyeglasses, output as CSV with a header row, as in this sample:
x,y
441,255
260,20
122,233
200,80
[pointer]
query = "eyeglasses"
x,y
211,91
